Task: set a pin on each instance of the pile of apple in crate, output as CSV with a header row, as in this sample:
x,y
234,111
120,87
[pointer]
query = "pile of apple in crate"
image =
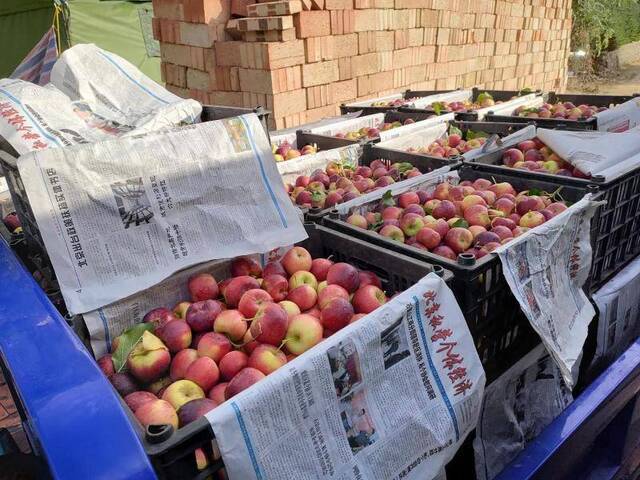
x,y
232,332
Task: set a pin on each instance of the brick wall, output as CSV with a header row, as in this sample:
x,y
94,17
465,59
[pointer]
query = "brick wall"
x,y
326,52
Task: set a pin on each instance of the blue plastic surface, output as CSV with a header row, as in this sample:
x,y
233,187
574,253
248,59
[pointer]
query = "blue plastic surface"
x,y
592,438
73,412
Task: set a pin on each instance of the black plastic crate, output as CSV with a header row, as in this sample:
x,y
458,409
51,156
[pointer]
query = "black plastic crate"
x,y
370,153
617,226
369,109
172,454
562,123
219,112
500,329
472,116
325,142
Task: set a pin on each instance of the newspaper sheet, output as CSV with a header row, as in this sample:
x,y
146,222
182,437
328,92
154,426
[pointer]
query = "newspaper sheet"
x,y
94,95
546,268
289,134
391,396
592,152
618,302
412,127
515,409
454,96
621,117
306,164
119,216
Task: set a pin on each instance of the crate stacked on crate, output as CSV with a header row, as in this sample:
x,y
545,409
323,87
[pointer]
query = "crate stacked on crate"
x,y
500,329
173,452
574,111
390,102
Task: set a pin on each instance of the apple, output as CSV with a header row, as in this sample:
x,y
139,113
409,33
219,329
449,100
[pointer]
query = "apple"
x,y
123,383
159,386
237,287
273,268
336,314
276,286
106,365
476,230
180,310
157,412
393,232
181,361
204,373
175,334
149,359
302,277
445,251
270,323
214,345
411,223
486,237
304,332
357,317
532,219
232,363
368,298
181,392
243,380
344,275
136,399
304,296
194,409
231,323
245,266
366,278
158,316
458,239
203,287
252,300
407,198
217,393
296,259
357,221
249,343
267,359
291,308
320,267
477,215
201,315
502,232
446,209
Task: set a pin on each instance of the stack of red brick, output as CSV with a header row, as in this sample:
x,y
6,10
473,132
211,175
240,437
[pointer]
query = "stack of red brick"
x,y
302,58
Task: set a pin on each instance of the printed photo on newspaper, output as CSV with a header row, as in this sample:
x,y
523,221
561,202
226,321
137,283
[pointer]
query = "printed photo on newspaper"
x,y
389,397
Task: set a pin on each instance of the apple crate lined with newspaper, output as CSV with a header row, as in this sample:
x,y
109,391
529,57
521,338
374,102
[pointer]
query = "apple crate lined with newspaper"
x,y
190,451
460,243
576,111
392,102
475,104
9,168
617,227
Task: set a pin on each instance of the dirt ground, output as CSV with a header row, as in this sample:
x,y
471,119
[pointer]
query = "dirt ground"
x,y
626,82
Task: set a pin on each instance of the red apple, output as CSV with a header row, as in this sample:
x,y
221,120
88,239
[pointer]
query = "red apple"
x,y
276,286
267,359
245,266
136,399
366,278
243,380
232,363
214,345
203,287
252,300
344,275
159,316
428,237
194,409
106,365
204,373
296,259
368,298
249,343
273,268
302,277
304,296
336,314
231,323
320,268
270,324
237,287
180,310
157,412
217,393
458,239
159,386
181,362
181,392
331,292
149,359
201,315
175,334
123,383
291,308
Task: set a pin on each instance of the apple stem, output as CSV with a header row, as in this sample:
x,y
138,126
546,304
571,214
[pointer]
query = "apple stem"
x,y
283,343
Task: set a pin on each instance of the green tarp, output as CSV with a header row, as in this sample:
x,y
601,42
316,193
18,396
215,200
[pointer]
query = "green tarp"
x,y
115,26
22,25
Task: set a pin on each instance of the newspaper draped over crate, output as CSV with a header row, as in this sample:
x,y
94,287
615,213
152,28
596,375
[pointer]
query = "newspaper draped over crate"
x,y
93,96
391,396
620,118
306,164
121,215
546,268
400,132
607,154
618,303
515,409
350,125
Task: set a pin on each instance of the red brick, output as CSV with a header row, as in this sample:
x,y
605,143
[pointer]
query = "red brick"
x,y
319,73
265,23
285,7
270,81
312,24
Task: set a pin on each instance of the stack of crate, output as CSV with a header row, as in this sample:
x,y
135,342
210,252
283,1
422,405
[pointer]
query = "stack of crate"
x,y
302,58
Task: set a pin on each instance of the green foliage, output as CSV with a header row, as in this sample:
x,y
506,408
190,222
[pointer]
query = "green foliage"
x,y
599,25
